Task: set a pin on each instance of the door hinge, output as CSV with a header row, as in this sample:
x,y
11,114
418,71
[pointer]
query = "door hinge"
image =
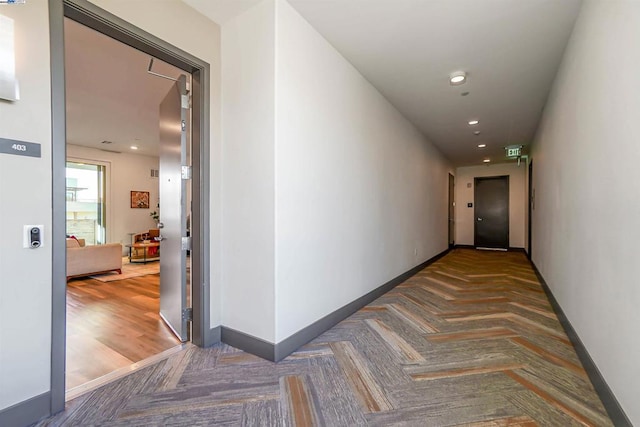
x,y
186,172
186,243
183,125
184,101
187,314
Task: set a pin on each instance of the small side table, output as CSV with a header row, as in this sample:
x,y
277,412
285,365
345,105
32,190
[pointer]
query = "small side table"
x,y
145,252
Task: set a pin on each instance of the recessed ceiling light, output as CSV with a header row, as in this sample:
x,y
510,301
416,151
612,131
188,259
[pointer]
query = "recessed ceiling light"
x,y
134,147
476,133
473,122
486,160
464,94
457,78
482,145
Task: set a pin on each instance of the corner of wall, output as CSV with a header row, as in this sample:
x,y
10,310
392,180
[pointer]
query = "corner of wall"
x,y
248,218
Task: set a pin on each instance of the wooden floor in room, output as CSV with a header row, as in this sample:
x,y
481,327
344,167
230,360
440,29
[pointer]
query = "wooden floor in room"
x,y
471,340
111,325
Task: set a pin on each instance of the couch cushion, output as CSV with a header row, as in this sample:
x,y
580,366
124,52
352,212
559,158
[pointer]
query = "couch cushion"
x,y
83,261
72,243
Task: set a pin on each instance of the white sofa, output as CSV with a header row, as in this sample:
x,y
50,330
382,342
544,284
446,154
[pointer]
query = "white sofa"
x,y
87,260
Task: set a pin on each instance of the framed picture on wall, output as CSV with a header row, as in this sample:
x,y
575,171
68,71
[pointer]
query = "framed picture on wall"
x,y
140,199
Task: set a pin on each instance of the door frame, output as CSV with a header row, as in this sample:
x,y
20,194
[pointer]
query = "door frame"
x,y
100,20
475,207
451,209
530,208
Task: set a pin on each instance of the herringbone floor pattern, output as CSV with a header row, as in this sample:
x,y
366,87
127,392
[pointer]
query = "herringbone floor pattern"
x,y
471,340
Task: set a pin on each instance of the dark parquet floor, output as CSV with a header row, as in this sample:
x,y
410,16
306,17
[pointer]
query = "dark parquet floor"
x,y
471,340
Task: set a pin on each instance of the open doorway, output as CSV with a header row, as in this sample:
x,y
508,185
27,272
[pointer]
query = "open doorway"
x,y
106,23
126,279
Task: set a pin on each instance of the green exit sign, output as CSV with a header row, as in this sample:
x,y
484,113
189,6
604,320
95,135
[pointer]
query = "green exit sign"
x,y
513,152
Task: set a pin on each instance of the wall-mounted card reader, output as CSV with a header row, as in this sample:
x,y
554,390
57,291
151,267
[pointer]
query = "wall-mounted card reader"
x,y
33,236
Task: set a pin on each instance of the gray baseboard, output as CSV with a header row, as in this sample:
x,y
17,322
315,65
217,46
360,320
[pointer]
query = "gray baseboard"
x,y
611,404
26,412
463,246
212,336
510,249
277,352
248,343
514,249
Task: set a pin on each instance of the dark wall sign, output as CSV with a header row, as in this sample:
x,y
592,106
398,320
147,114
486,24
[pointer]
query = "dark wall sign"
x,y
19,148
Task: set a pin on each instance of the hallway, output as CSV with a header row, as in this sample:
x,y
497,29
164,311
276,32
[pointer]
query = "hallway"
x,y
470,340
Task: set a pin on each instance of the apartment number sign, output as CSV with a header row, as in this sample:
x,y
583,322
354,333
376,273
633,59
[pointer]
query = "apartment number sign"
x,y
20,148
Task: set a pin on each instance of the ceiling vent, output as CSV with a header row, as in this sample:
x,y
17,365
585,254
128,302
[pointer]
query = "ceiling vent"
x,y
106,142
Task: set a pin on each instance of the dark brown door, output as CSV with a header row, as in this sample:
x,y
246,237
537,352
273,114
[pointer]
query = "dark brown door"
x,y
492,212
451,211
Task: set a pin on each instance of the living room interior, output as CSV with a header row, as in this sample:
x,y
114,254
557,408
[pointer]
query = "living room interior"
x,y
113,207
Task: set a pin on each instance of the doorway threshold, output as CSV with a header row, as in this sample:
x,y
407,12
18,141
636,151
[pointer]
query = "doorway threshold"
x,y
480,248
92,385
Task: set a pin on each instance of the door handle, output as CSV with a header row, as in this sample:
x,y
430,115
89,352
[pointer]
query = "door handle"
x,y
160,225
479,219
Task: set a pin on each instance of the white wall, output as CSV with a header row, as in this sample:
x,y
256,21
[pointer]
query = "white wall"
x,y
361,195
587,181
176,23
25,198
464,217
248,58
128,172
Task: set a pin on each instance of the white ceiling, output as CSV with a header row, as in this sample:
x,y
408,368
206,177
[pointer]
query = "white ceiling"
x,y
110,95
220,11
510,49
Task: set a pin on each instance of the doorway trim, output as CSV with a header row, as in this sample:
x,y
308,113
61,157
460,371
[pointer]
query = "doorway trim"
x,y
530,208
451,211
100,20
